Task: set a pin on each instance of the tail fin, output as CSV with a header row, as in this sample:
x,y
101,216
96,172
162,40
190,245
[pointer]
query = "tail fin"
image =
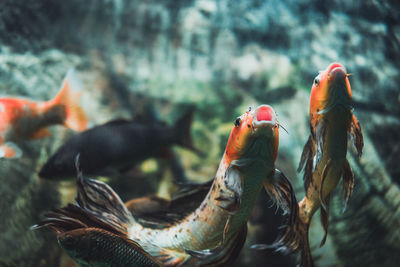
x,y
295,235
101,201
73,217
281,191
182,131
294,239
69,96
97,205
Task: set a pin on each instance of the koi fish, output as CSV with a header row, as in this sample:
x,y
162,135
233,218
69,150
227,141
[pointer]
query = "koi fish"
x,y
324,155
22,119
215,231
117,145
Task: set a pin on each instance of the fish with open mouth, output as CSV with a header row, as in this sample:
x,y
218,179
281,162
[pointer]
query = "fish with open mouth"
x,y
117,145
215,231
24,119
324,155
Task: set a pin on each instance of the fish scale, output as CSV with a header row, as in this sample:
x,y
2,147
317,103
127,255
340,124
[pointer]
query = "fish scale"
x,y
99,248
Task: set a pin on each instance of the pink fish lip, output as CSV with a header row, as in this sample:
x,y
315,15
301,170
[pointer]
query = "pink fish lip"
x,y
264,116
338,72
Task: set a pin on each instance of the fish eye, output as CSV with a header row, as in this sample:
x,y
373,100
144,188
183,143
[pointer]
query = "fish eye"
x,y
316,81
237,122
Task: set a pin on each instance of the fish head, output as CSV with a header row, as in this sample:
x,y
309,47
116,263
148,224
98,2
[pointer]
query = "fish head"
x,y
331,88
255,134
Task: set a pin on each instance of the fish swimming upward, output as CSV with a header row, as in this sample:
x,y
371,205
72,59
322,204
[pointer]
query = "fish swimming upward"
x,y
117,145
324,155
22,119
215,231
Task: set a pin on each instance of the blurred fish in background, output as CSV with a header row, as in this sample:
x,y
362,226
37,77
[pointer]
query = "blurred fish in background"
x,y
118,145
220,57
25,119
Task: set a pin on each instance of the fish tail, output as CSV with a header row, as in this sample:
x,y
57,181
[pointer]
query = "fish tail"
x,y
295,235
69,96
295,239
182,127
97,205
281,191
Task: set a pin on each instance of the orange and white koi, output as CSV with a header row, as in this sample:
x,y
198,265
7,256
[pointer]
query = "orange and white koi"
x,y
324,155
22,119
215,231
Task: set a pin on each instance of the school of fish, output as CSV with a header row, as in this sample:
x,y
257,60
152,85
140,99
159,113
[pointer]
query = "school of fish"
x,y
203,224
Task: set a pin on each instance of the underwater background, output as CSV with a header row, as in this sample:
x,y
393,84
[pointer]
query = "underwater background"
x,y
154,58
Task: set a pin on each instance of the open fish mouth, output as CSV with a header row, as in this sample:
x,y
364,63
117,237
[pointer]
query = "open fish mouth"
x,y
337,91
264,116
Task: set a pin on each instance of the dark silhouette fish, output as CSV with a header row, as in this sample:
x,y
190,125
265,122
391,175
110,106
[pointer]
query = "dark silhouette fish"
x,y
117,146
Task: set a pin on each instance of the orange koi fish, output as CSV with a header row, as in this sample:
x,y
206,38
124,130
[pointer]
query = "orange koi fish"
x,y
324,155
214,232
22,119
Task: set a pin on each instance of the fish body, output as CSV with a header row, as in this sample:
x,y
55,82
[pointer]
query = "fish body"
x,y
117,145
215,231
23,119
324,155
246,166
98,248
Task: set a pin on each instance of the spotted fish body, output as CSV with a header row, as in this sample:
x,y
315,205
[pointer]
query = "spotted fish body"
x,y
247,165
215,231
324,155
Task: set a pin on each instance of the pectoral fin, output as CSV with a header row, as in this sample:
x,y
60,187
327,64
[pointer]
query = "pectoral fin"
x,y
307,159
306,154
169,257
206,253
348,183
355,131
10,150
223,255
320,137
229,199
